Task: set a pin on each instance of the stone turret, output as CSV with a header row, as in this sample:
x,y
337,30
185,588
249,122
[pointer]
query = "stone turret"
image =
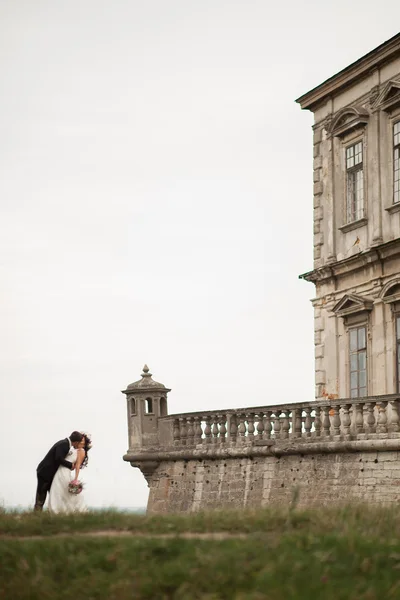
x,y
146,402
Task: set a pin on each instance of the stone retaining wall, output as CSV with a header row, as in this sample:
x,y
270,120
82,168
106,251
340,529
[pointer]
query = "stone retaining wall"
x,y
318,479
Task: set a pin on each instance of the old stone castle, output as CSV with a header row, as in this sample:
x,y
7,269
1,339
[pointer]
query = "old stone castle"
x,y
345,444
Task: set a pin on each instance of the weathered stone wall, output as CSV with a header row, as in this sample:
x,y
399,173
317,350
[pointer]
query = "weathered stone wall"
x,y
321,479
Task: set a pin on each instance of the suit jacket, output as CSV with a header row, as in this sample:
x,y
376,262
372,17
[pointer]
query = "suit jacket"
x,y
54,458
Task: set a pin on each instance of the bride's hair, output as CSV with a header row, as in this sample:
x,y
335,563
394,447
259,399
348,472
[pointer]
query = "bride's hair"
x,y
86,447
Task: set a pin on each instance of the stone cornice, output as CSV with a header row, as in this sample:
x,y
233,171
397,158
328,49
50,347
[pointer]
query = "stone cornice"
x,y
352,304
353,263
264,448
360,68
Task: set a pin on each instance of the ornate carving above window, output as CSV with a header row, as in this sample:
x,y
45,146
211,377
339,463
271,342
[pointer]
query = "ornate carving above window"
x,y
389,97
391,291
351,304
348,119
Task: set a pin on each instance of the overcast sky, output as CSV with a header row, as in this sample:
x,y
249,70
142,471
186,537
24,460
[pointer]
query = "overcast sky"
x,y
156,206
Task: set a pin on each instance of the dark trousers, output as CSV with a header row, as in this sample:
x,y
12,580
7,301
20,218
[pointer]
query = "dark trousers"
x,y
41,493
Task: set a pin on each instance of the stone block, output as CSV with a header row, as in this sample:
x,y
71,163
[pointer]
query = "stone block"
x,y
317,252
316,175
318,323
319,239
317,138
317,163
318,213
320,377
318,188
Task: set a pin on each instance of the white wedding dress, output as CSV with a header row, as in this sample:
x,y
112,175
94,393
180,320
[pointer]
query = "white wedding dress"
x,y
60,499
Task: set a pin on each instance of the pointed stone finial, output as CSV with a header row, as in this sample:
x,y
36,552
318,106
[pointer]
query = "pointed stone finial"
x,y
146,383
146,372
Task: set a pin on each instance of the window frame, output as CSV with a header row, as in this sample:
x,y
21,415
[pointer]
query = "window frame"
x,y
351,328
354,214
396,315
396,149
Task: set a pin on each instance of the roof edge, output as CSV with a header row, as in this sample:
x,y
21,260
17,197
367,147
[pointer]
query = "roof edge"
x,y
356,69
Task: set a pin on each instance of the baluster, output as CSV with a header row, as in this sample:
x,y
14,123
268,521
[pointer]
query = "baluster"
x,y
336,420
176,432
214,430
346,421
190,431
308,421
285,424
183,427
298,422
268,424
317,421
277,423
394,416
250,426
359,419
260,425
233,428
370,417
242,427
198,432
222,429
382,418
207,429
326,422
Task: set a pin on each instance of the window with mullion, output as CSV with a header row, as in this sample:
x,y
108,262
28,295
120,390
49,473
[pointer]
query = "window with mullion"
x,y
358,362
354,182
396,162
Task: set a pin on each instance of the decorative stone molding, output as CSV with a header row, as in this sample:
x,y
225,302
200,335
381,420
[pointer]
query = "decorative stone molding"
x,y
391,291
374,93
353,263
352,304
353,225
147,467
389,98
347,119
393,208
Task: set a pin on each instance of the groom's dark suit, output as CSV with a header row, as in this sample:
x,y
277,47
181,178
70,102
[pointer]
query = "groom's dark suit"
x,y
47,469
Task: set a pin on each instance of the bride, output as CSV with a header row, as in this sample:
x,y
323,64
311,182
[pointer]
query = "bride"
x,y
60,499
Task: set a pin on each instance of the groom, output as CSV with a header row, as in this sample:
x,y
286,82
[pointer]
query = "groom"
x,y
49,465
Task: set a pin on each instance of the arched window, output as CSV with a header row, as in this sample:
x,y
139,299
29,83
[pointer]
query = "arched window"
x,y
163,407
148,406
132,405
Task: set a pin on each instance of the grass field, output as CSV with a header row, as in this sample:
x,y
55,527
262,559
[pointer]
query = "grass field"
x,y
330,554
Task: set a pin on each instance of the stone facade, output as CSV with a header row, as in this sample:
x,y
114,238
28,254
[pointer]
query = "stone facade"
x,y
357,223
319,452
345,445
252,482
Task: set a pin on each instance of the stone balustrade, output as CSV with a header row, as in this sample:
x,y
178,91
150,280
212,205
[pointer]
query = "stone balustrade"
x,y
345,419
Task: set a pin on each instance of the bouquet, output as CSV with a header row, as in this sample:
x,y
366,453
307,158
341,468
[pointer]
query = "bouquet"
x,y
75,487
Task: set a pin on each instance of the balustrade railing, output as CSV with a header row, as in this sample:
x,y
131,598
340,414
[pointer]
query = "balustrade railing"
x,y
346,419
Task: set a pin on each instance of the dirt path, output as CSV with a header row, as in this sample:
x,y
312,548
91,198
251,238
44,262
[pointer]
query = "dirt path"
x,y
113,533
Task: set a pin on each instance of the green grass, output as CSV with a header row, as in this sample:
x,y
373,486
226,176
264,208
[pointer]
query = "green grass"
x,y
325,554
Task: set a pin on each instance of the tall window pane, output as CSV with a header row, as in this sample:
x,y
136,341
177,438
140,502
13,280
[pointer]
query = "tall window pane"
x,y
358,361
398,350
354,183
396,162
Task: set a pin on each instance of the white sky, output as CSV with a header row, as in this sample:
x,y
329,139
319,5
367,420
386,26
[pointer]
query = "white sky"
x,y
156,206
